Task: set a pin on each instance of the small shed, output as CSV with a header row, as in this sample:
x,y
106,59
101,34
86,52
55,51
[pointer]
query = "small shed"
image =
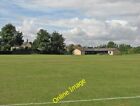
x,y
77,52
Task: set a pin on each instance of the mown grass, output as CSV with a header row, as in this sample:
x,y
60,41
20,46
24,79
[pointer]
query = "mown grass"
x,y
40,78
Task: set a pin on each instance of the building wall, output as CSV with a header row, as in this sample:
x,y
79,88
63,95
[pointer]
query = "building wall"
x,y
93,52
111,52
77,52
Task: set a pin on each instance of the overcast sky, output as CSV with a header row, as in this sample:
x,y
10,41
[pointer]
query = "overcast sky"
x,y
86,22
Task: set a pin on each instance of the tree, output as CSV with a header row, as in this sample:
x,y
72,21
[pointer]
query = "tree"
x,y
42,42
77,46
70,48
124,48
49,43
111,44
18,39
57,43
10,37
7,34
35,44
0,43
136,49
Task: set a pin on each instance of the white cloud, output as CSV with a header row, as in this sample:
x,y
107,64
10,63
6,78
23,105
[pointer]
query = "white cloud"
x,y
102,8
116,20
86,31
92,30
29,29
121,24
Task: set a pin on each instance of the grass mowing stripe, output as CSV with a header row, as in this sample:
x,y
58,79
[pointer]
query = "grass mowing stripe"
x,y
75,101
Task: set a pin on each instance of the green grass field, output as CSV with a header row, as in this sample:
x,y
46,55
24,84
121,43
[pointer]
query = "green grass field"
x,y
40,78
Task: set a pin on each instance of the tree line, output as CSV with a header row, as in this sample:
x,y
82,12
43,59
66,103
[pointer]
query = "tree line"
x,y
123,48
49,43
45,42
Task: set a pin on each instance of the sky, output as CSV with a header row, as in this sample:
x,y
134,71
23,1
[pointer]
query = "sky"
x,y
85,22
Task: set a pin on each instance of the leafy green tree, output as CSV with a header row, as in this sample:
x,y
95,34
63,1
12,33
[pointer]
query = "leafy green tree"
x,y
102,46
6,47
10,37
7,34
18,39
136,49
124,48
57,43
77,46
35,44
111,44
70,48
0,44
42,42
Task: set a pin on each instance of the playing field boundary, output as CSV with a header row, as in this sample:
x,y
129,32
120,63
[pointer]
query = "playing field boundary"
x,y
75,101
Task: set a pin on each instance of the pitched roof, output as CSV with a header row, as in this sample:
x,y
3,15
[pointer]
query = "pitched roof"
x,y
99,49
